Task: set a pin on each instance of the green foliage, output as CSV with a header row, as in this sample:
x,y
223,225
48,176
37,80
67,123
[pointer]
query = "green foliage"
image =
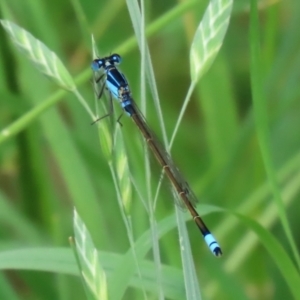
x,y
221,81
92,272
209,37
45,60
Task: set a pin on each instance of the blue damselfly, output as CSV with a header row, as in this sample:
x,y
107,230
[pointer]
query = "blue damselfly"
x,y
118,87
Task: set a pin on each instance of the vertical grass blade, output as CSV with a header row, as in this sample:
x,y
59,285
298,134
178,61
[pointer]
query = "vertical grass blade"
x,y
192,288
261,119
136,18
91,270
121,167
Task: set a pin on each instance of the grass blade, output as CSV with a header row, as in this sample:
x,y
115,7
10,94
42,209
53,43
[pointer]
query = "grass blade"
x,y
261,116
192,288
209,37
277,252
45,60
206,44
91,270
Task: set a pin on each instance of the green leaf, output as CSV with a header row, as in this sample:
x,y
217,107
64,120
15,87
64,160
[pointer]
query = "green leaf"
x,y
278,253
61,261
209,37
91,269
260,108
122,171
192,288
45,60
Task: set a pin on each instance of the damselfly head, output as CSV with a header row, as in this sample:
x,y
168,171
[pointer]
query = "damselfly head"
x,y
97,64
115,59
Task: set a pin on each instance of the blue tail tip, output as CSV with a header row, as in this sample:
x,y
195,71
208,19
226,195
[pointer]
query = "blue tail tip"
x,y
217,252
213,245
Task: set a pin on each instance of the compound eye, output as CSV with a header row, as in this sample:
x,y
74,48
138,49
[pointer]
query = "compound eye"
x,y
116,58
97,64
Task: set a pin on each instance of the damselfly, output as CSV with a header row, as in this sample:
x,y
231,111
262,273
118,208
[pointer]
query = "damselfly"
x,y
117,85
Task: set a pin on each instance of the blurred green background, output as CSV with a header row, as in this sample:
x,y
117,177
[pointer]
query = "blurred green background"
x,y
56,161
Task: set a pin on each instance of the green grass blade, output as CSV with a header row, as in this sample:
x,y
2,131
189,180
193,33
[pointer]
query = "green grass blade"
x,y
61,260
88,292
91,269
136,18
122,171
261,116
267,218
209,37
207,41
279,255
137,14
192,288
45,60
142,246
